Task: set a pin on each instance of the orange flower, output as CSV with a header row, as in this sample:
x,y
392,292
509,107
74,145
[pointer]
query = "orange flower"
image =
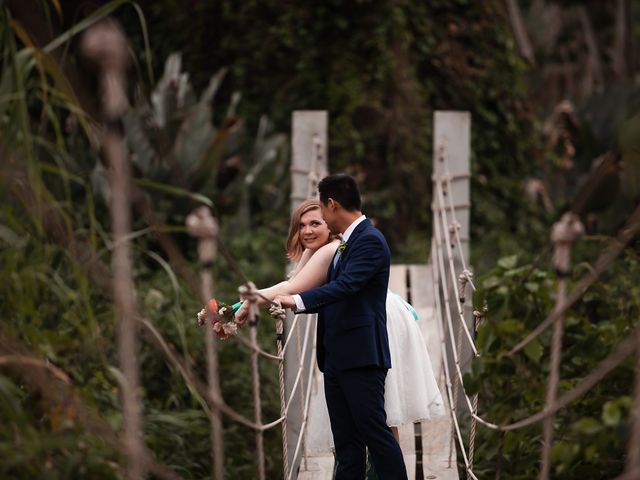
x,y
212,305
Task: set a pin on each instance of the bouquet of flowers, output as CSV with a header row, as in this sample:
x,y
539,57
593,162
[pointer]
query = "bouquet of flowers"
x,y
221,316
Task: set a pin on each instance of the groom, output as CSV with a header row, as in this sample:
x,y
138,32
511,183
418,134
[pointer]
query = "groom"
x,y
353,347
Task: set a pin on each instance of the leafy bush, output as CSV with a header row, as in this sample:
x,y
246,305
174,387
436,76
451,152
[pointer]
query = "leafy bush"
x,y
590,435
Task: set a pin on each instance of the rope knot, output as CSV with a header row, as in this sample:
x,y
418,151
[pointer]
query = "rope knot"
x,y
279,313
463,279
564,234
249,293
479,316
202,225
106,46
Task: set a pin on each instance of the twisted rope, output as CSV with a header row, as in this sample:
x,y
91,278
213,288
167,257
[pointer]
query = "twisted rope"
x,y
307,402
450,330
249,293
456,223
626,234
105,45
450,395
457,385
625,348
265,354
463,279
257,405
479,316
552,386
279,333
277,312
202,225
440,212
563,235
302,391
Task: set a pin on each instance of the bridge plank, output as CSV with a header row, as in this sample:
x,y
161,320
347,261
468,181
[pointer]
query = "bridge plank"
x,y
316,467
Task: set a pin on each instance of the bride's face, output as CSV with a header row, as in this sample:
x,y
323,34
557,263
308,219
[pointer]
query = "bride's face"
x,y
314,232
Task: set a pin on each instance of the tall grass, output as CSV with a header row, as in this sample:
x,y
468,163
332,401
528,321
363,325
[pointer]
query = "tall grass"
x,y
56,300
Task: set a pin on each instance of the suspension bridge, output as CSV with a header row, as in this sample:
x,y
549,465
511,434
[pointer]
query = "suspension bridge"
x,y
439,291
429,447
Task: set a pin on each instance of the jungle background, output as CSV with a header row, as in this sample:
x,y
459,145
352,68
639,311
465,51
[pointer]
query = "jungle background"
x,y
552,87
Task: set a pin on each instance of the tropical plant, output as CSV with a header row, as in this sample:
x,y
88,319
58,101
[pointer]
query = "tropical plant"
x,y
58,383
591,434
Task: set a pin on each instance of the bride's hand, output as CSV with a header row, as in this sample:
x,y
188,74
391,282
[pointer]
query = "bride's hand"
x,y
242,313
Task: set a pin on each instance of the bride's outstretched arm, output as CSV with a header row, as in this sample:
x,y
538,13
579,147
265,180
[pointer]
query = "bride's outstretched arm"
x,y
310,275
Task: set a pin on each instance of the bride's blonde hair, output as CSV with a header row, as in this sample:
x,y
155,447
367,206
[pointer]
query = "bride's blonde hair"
x,y
294,245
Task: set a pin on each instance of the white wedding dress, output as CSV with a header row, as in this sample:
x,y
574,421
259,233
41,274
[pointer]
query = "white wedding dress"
x,y
411,389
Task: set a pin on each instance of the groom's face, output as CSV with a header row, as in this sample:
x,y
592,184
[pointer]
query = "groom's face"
x,y
328,211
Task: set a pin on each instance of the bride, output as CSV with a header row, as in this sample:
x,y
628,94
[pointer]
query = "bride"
x,y
411,390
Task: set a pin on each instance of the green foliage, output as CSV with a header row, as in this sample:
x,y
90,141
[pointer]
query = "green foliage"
x,y
590,435
380,69
51,306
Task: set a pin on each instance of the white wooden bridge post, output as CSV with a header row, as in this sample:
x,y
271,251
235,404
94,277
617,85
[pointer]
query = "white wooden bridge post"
x,y
451,153
309,165
309,154
428,446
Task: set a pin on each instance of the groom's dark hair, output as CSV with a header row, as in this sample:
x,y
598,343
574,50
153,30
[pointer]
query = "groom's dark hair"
x,y
343,189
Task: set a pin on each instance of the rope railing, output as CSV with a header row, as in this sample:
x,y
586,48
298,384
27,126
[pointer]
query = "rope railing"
x,y
625,349
445,294
202,225
455,226
247,343
305,411
251,294
553,404
450,396
442,234
301,359
563,235
450,393
627,233
478,316
257,404
606,366
300,368
446,280
441,213
441,338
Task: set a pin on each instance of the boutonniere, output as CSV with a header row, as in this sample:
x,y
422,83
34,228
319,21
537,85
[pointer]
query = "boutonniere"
x,y
342,246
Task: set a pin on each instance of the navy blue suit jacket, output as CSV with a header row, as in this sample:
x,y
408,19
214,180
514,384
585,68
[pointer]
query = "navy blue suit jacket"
x,y
351,306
